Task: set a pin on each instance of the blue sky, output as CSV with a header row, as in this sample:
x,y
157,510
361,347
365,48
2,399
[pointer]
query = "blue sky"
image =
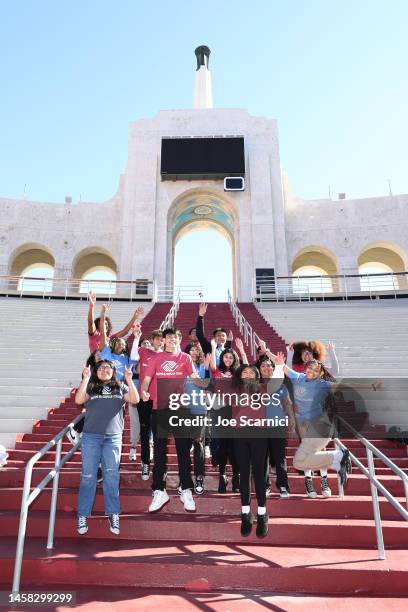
x,y
74,74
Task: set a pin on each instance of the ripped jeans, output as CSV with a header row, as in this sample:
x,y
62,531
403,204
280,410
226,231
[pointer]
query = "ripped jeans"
x,y
104,449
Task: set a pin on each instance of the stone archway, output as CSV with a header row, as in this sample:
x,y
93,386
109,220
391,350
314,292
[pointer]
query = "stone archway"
x,y
197,209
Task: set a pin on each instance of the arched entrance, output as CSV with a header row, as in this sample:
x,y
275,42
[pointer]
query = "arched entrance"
x,y
202,225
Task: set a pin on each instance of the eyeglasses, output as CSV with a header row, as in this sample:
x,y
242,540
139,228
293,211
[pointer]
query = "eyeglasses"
x,y
105,367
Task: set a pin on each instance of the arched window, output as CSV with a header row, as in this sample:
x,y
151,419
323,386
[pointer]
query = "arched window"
x,y
382,281
99,279
36,272
311,279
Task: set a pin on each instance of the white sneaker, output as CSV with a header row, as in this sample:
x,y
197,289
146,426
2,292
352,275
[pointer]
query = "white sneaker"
x,y
73,436
207,452
186,498
132,454
160,499
82,525
326,490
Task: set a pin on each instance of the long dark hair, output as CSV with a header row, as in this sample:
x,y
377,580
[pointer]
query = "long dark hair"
x,y
324,372
315,347
252,384
235,364
109,322
96,385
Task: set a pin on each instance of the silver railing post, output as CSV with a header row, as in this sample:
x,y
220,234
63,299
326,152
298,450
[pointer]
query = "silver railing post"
x,y
54,496
376,506
22,528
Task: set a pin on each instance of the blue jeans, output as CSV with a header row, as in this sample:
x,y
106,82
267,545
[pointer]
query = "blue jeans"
x,y
105,449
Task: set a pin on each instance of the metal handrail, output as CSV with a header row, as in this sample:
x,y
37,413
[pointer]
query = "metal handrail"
x,y
70,287
169,319
251,338
187,293
29,496
322,285
375,484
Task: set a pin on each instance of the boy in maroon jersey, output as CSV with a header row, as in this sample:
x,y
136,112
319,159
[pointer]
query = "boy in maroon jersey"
x,y
170,364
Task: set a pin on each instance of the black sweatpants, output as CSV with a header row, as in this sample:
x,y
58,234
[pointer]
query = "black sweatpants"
x,y
198,451
145,415
276,455
250,454
183,446
226,452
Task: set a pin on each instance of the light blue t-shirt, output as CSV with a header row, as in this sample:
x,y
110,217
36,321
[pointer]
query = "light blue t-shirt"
x,y
275,407
119,361
309,395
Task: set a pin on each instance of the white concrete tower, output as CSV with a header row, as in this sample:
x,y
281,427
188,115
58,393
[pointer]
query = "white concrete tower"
x,y
202,86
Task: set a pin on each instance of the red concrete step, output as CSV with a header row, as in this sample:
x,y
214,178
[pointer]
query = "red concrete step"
x,y
357,483
221,566
389,448
286,531
137,501
122,599
172,465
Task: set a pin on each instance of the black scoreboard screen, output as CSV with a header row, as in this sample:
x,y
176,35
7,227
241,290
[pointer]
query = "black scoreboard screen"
x,y
202,158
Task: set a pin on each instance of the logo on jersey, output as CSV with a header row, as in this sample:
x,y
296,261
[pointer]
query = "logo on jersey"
x,y
169,366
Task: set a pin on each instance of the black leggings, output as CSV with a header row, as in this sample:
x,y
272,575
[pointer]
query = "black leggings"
x,y
145,414
226,452
250,454
276,455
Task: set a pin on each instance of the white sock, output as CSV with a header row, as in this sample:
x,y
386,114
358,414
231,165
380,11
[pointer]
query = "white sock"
x,y
245,509
323,472
261,510
308,473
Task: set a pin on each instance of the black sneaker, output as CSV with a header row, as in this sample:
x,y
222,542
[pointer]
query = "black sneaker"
x,y
326,490
246,524
199,485
114,523
235,483
145,471
222,484
262,525
310,490
345,467
99,476
82,525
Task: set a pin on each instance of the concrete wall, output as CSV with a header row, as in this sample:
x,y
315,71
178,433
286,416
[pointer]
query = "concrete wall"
x,y
269,225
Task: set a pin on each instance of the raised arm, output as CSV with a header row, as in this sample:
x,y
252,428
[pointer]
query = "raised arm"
x,y
334,368
104,339
132,397
81,395
213,356
289,355
241,350
205,344
268,353
123,332
137,333
91,313
280,361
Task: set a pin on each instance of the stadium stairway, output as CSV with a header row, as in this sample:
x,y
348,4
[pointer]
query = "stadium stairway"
x,y
45,345
316,547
